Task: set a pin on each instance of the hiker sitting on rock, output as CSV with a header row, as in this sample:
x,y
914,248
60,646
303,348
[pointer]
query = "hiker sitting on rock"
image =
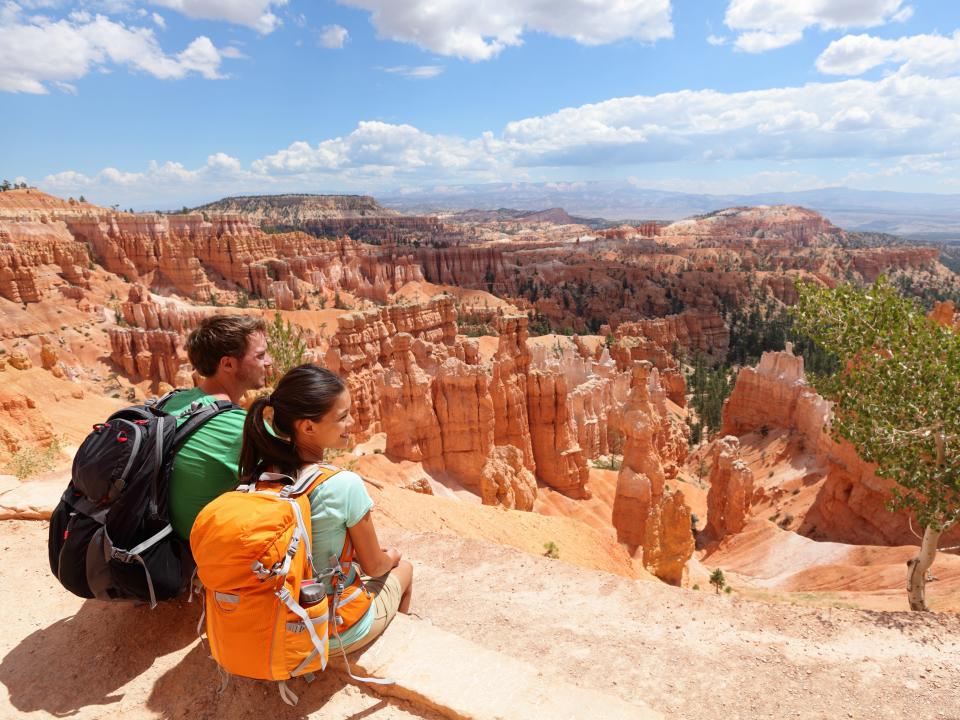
x,y
311,409
230,352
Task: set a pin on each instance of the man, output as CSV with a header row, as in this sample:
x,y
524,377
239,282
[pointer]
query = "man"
x,y
230,352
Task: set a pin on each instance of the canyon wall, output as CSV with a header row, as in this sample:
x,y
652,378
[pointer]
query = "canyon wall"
x,y
850,506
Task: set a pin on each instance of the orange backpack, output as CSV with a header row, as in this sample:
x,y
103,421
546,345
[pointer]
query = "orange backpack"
x,y
253,552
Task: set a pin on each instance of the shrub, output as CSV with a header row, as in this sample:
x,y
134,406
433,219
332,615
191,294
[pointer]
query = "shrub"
x,y
552,551
285,344
718,580
28,462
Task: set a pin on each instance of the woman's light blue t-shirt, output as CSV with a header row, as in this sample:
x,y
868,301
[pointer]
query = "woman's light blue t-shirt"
x,y
338,503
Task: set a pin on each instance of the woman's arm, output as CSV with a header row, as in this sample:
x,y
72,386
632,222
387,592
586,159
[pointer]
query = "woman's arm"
x,y
374,560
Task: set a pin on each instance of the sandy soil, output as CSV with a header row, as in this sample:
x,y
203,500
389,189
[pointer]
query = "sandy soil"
x,y
687,654
692,654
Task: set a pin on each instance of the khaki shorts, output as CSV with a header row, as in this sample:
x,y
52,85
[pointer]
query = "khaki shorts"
x,y
386,599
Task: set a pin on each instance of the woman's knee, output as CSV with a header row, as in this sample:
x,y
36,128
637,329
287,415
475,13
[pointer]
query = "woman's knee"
x,y
404,571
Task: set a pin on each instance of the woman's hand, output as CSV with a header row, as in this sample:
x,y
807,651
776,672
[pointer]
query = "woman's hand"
x,y
394,554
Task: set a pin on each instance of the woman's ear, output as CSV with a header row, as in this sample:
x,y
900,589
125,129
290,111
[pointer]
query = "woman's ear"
x,y
302,428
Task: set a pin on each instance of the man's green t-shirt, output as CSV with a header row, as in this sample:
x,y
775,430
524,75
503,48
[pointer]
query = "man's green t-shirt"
x,y
206,466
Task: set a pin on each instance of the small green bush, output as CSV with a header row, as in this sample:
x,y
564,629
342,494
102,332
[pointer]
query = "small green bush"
x,y
552,551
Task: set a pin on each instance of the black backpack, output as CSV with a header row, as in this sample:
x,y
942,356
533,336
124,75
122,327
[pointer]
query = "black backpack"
x,y
110,535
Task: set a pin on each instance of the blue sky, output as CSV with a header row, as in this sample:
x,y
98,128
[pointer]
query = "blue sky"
x,y
169,102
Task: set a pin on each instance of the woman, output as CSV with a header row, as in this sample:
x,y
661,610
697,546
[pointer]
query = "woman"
x,y
311,408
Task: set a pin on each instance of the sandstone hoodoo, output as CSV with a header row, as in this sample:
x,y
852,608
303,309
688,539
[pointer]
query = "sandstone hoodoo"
x,y
731,489
647,514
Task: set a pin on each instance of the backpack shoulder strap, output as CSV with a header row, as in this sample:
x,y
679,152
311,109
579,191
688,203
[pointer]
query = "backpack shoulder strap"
x,y
308,478
159,402
197,416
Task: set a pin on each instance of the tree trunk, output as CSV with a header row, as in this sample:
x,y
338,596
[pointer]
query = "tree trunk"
x,y
917,569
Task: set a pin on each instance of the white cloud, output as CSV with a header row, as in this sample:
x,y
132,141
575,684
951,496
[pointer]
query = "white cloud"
x,y
158,20
417,72
256,14
898,117
479,31
856,54
37,51
769,24
383,149
717,40
759,41
903,15
334,36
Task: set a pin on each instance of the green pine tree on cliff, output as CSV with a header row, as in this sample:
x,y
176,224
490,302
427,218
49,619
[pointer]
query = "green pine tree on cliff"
x,y
897,401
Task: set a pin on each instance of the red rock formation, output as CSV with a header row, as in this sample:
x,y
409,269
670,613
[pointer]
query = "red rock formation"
x,y
505,480
690,332
874,262
646,513
766,395
22,424
465,415
945,313
36,256
731,489
508,387
791,226
463,266
851,504
559,458
148,354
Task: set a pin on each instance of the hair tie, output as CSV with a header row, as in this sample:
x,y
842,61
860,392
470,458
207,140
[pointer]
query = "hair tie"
x,y
269,399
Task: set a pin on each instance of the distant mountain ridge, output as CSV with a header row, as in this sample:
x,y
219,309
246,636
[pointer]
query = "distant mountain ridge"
x,y
901,213
295,209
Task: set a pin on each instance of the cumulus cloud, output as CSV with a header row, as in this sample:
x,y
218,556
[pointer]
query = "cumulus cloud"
x,y
479,31
417,72
759,41
383,149
897,117
856,54
255,14
37,51
158,20
333,36
768,24
717,40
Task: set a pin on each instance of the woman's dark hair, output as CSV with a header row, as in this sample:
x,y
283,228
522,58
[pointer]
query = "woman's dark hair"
x,y
306,391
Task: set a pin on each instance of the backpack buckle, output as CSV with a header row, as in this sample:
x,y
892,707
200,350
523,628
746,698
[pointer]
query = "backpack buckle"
x,y
121,555
195,406
260,571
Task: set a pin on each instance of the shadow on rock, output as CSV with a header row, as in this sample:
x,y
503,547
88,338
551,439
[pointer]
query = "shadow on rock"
x,y
83,660
194,689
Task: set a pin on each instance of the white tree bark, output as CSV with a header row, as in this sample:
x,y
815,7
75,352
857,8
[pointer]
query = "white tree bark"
x,y
917,569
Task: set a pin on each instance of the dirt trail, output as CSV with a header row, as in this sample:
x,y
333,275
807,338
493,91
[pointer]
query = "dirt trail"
x,y
685,653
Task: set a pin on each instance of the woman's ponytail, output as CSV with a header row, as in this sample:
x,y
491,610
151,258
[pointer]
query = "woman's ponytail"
x,y
261,448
